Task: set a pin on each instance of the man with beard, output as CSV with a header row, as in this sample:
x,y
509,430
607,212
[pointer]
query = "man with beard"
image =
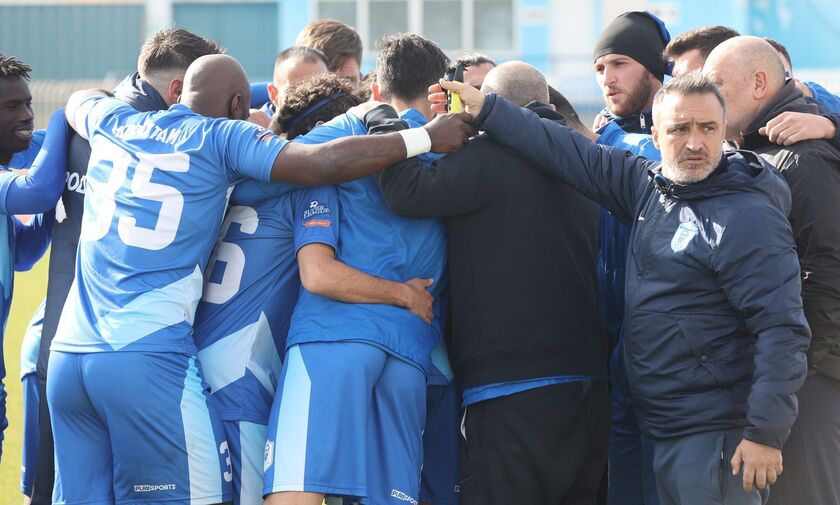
x,y
715,331
753,83
629,69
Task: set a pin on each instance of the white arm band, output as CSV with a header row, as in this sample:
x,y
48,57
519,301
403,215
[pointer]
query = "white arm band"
x,y
417,141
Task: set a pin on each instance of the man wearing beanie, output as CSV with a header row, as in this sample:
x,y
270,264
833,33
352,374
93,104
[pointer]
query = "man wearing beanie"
x,y
629,68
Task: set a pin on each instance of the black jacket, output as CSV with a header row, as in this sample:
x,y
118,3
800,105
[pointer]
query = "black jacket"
x,y
65,240
812,169
715,333
521,250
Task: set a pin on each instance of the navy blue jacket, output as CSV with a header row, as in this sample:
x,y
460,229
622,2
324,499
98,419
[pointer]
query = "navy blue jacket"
x,y
715,333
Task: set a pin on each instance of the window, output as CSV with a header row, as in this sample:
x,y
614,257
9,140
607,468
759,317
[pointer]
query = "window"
x,y
479,25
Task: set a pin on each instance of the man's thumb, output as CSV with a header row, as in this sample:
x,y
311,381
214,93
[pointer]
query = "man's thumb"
x,y
457,87
427,282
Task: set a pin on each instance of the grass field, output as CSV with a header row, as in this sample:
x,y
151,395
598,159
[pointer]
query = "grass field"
x,y
30,288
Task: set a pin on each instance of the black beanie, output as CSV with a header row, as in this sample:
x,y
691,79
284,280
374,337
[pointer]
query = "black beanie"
x,y
637,35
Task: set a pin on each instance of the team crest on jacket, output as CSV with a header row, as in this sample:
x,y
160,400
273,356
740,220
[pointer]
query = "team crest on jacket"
x,y
683,236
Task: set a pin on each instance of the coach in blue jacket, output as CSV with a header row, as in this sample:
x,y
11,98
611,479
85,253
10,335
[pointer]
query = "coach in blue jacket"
x,y
714,327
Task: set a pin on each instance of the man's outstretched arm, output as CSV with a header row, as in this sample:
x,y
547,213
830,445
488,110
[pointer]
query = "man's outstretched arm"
x,y
355,157
611,177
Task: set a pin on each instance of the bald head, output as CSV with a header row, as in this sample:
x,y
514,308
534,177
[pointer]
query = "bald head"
x,y
216,86
750,74
746,55
518,82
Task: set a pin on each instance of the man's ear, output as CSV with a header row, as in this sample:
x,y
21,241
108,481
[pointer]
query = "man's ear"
x,y
374,92
551,105
759,84
173,91
319,123
655,132
273,92
237,108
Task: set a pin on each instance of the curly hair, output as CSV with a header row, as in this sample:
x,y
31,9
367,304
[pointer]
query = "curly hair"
x,y
13,67
318,98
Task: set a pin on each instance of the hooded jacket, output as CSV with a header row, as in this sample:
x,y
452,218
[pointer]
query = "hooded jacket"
x,y
812,169
138,93
715,333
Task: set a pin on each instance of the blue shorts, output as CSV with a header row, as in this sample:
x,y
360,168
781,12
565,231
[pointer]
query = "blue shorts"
x,y
441,446
31,432
371,450
135,427
246,442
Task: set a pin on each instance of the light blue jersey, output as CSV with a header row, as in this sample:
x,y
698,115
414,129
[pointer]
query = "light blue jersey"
x,y
376,241
157,185
251,286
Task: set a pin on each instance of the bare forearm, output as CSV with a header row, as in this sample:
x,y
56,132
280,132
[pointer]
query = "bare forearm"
x,y
340,282
338,161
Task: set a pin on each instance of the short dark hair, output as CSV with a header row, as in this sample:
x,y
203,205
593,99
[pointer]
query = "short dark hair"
x,y
704,38
335,39
781,49
173,49
408,64
563,106
13,67
473,60
692,83
307,54
317,98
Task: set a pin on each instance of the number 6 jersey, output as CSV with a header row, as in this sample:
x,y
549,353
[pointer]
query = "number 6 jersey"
x,y
157,185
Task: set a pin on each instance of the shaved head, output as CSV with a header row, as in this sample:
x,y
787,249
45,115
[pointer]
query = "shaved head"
x,y
750,74
517,81
216,86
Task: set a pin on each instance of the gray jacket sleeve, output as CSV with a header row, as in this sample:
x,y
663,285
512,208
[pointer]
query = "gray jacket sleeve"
x,y
612,177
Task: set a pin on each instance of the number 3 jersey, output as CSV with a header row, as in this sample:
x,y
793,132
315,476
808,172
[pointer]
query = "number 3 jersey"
x,y
251,287
157,185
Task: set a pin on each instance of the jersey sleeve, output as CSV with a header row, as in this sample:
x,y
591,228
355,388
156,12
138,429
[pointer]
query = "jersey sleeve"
x,y
248,150
316,215
93,111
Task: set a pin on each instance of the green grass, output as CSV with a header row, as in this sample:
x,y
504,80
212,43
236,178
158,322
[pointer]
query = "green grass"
x,y
30,288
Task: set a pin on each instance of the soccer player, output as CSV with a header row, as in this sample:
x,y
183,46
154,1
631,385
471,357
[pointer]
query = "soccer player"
x,y
33,193
339,42
365,361
291,66
252,283
157,187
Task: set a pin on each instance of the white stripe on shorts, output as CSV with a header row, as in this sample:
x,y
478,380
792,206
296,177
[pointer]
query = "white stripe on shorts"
x,y
202,453
292,425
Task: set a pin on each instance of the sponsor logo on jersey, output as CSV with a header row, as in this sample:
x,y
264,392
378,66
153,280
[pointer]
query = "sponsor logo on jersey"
x,y
683,236
315,208
323,223
268,456
147,488
402,496
263,135
76,183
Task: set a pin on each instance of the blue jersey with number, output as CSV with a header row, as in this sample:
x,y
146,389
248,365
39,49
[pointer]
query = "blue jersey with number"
x,y
250,288
157,185
376,241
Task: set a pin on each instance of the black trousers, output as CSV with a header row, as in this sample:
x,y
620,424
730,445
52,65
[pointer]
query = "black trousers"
x,y
45,470
811,454
544,446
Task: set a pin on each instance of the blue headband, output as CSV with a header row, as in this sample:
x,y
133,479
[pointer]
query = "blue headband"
x,y
312,108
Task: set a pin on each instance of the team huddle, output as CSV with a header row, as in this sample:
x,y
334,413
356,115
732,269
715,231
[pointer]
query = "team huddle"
x,y
331,287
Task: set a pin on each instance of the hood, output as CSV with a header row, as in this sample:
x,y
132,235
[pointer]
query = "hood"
x,y
790,99
546,112
138,93
737,172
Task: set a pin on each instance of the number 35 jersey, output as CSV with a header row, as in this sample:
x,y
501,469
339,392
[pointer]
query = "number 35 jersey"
x,y
157,186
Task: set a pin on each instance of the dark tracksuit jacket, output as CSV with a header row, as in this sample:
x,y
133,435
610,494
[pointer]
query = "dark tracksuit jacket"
x,y
521,250
812,169
715,333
